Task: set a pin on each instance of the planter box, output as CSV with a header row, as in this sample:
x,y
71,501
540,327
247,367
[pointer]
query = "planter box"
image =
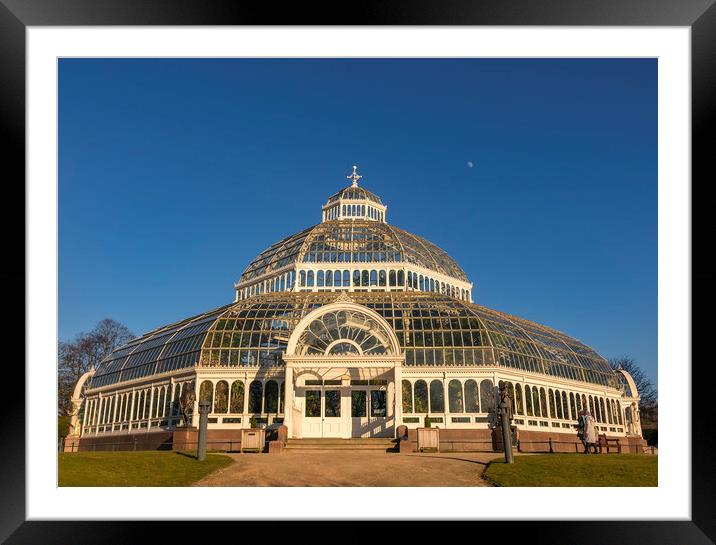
x,y
253,439
428,438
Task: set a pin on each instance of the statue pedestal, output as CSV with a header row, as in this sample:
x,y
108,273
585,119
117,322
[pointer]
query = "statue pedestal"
x,y
71,444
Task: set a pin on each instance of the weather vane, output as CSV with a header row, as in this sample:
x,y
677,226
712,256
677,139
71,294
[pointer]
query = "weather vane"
x,y
354,177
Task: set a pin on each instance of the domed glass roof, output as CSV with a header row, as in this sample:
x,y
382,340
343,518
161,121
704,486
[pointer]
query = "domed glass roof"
x,y
356,241
432,329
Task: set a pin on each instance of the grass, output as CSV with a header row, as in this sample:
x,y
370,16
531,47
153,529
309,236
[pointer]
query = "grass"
x,y
153,468
575,470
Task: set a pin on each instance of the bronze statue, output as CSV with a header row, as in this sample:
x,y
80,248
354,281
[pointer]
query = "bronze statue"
x,y
186,403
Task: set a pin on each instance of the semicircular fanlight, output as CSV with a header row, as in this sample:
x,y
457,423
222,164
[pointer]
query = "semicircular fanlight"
x,y
344,332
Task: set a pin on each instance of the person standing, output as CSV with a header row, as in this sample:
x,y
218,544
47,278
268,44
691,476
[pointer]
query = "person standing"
x,y
587,431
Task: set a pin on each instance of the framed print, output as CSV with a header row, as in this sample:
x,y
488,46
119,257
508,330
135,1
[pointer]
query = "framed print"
x,y
546,144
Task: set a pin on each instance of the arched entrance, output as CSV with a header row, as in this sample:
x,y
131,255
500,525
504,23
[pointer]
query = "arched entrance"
x,y
343,362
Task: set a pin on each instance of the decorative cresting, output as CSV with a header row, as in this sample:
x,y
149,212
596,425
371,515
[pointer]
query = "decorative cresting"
x,y
343,329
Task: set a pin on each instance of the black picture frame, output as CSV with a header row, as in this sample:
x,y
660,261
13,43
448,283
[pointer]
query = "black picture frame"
x,y
699,15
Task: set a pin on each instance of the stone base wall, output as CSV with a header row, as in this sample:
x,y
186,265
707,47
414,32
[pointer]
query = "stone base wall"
x,y
485,440
159,440
226,440
181,439
539,441
460,440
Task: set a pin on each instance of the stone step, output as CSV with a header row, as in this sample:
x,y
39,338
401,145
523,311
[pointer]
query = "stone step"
x,y
340,444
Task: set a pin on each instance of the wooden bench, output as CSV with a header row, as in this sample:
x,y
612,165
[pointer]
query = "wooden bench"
x,y
605,442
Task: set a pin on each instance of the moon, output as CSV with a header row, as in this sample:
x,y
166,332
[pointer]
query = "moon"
x,y
470,164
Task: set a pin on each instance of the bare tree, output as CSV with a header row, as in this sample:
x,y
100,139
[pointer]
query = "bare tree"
x,y
85,352
647,391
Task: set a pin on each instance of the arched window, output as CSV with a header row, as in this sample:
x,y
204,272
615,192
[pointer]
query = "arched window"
x,y
146,413
578,403
160,405
346,279
344,210
255,395
437,397
565,406
391,278
410,280
381,278
575,412
552,411
472,395
329,279
401,278
511,391
153,410
601,410
415,280
431,285
221,396
487,396
421,283
281,397
137,405
421,396
309,279
543,403
528,400
206,392
619,414
271,397
320,279
455,396
356,278
373,278
591,407
407,396
364,275
442,288
518,399
236,406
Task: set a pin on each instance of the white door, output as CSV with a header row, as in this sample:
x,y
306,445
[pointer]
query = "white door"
x,y
312,415
369,413
323,416
332,418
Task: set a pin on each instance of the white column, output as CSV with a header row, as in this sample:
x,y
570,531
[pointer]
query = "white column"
x,y
288,400
398,378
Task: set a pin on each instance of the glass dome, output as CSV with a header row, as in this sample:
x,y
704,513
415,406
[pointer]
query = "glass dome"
x,y
357,241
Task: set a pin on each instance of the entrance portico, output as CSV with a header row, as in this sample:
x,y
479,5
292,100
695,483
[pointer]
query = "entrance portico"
x,y
343,374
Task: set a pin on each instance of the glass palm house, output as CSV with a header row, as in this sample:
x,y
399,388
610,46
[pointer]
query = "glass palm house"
x,y
351,328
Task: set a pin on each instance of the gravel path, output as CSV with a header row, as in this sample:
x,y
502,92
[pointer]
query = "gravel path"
x,y
367,468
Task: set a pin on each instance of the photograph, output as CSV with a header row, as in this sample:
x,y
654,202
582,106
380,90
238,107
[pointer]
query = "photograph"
x,y
357,272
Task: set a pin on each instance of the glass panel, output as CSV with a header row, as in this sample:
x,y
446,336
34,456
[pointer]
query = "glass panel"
x,y
437,397
313,403
471,397
237,397
358,406
271,397
487,396
255,395
455,396
377,403
407,396
221,403
333,403
421,396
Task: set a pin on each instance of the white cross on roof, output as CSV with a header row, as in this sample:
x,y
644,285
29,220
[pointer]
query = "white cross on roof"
x,y
354,177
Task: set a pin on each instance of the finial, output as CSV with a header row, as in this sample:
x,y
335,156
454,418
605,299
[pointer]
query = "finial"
x,y
354,177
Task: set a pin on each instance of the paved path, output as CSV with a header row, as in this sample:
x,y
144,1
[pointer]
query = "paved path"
x,y
336,468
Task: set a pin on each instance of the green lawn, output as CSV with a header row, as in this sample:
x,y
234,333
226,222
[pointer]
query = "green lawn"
x,y
152,468
575,470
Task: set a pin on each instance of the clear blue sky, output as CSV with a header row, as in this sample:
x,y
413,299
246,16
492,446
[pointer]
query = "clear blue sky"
x,y
174,174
